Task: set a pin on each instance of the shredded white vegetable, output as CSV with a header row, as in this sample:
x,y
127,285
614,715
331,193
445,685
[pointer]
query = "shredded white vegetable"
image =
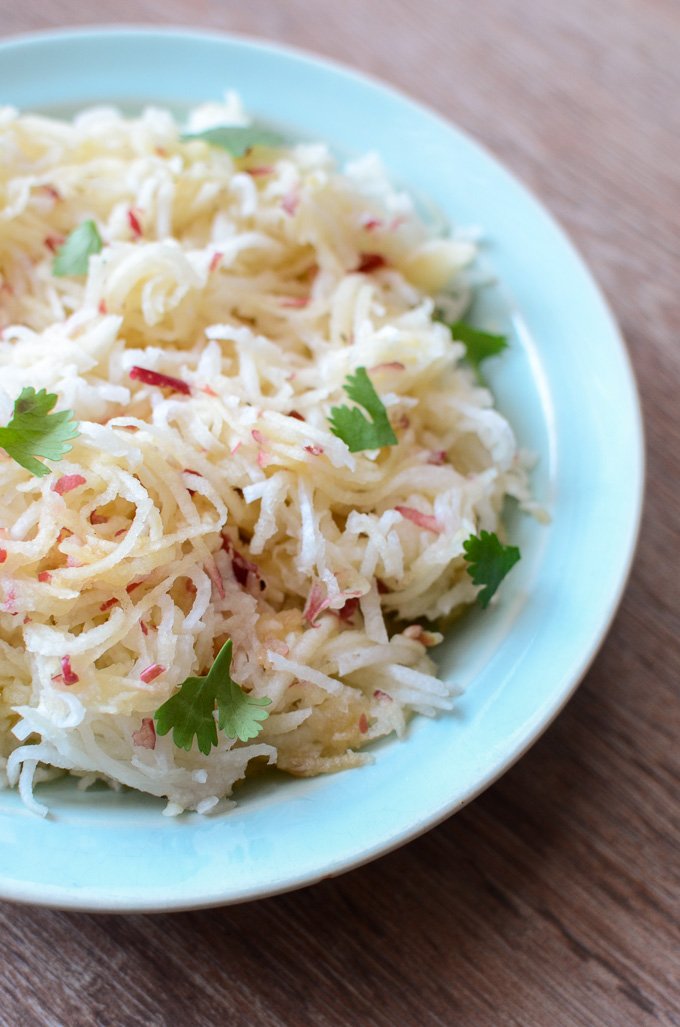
x,y
226,508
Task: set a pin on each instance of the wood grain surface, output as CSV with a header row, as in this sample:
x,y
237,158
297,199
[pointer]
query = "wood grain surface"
x,y
553,899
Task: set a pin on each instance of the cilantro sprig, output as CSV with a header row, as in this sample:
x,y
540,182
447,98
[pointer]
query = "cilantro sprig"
x,y
191,711
73,256
488,562
34,432
236,139
479,345
352,426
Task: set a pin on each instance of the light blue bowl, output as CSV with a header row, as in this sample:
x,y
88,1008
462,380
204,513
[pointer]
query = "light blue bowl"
x,y
567,385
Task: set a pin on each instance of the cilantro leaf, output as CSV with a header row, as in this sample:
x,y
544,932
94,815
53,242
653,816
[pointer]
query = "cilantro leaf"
x,y
479,345
33,431
236,139
350,425
489,561
191,711
73,256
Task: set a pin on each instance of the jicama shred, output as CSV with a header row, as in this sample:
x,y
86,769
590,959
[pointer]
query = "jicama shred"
x,y
206,497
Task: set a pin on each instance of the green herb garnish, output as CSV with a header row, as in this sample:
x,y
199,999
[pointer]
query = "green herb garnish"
x,y
489,561
73,256
33,431
190,712
237,139
350,425
479,345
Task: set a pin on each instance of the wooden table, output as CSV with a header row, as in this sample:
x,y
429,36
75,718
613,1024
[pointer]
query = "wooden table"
x,y
553,899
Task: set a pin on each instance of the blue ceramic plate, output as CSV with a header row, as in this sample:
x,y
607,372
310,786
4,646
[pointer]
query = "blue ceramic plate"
x,y
567,386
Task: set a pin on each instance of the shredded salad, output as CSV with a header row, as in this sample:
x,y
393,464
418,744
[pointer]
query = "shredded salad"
x,y
245,464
